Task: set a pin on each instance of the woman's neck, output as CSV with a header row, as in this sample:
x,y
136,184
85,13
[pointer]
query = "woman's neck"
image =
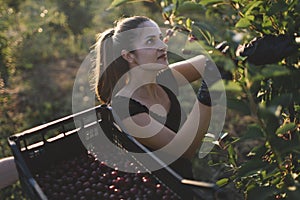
x,y
142,82
142,87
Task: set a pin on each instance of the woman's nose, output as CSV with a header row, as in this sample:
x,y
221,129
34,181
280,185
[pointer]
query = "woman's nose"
x,y
163,46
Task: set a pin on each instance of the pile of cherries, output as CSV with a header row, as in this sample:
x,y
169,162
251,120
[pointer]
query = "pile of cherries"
x,y
87,177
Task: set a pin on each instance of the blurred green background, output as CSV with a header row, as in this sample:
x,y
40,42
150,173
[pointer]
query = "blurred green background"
x,y
43,43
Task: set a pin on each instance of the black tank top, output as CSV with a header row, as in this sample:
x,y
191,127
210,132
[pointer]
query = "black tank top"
x,y
174,119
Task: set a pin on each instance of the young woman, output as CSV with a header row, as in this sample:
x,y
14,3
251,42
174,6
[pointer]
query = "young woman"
x,y
131,70
145,100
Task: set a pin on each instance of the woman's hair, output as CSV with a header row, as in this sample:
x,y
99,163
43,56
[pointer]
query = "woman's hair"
x,y
110,65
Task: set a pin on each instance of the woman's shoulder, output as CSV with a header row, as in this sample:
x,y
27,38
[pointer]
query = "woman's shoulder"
x,y
166,79
121,100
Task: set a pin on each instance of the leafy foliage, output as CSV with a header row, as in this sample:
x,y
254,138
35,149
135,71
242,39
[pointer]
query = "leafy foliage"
x,y
34,34
268,91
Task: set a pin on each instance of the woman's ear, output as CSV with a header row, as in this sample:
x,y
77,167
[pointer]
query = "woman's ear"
x,y
129,57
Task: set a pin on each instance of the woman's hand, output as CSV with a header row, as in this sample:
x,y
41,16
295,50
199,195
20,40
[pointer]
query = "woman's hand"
x,y
206,95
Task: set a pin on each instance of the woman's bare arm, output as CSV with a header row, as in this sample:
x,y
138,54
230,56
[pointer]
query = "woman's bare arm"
x,y
8,172
189,68
155,135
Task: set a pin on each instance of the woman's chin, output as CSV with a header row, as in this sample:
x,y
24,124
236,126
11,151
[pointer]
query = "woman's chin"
x,y
163,62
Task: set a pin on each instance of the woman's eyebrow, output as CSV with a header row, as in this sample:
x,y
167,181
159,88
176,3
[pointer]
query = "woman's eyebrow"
x,y
150,36
153,36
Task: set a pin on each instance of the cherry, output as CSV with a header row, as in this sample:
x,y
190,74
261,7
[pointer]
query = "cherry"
x,y
87,177
114,174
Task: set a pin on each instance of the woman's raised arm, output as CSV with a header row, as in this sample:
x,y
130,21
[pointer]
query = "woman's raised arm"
x,y
189,68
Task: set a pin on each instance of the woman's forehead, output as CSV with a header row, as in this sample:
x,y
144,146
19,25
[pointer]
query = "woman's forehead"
x,y
148,28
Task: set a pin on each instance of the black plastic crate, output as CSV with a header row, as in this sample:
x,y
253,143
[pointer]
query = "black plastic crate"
x,y
36,149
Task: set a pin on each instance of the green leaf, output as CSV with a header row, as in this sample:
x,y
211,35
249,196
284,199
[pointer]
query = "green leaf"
x,y
202,32
251,6
250,17
279,6
232,86
189,7
243,23
232,155
268,115
238,105
251,167
258,151
253,132
117,3
285,128
285,146
222,182
262,193
176,3
210,2
205,26
188,23
283,100
274,70
266,21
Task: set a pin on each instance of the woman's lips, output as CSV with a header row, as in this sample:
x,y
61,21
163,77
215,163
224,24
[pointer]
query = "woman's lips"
x,y
163,56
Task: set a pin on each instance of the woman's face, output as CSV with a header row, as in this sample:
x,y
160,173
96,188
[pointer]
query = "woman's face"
x,y
149,49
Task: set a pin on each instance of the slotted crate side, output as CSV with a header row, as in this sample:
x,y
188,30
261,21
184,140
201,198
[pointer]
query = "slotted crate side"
x,y
33,158
38,158
28,183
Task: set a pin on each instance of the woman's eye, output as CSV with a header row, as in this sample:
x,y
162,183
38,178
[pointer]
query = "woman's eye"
x,y
150,41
